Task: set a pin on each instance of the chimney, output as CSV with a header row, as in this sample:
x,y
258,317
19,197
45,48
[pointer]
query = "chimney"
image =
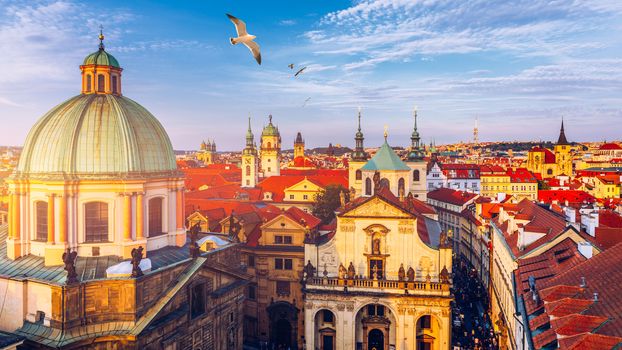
x,y
585,248
583,283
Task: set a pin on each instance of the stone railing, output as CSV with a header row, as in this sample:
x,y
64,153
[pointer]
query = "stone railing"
x,y
378,285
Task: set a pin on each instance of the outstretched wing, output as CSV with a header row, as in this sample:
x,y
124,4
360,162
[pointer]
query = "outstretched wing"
x,y
254,49
300,71
240,26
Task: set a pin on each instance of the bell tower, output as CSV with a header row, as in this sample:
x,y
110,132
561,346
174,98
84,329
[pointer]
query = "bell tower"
x,y
358,159
270,150
299,146
101,73
249,160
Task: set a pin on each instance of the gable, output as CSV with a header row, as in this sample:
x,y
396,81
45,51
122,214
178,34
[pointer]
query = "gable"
x,y
376,207
196,216
275,224
303,186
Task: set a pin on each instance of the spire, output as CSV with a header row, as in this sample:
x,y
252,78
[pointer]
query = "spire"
x,y
562,136
299,138
359,151
415,153
101,37
250,138
386,133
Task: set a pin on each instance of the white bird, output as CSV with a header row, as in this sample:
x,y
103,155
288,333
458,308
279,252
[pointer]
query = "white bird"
x,y
245,38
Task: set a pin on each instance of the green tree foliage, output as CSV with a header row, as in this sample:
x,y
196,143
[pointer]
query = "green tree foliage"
x,y
327,201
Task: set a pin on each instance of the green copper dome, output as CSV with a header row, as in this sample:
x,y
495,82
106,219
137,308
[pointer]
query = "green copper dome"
x,y
270,129
97,137
101,58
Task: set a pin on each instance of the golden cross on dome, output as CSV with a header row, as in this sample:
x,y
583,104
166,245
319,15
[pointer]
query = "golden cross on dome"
x,y
101,37
386,132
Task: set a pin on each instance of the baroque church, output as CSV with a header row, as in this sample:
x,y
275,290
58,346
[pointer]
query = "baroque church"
x,y
95,255
381,279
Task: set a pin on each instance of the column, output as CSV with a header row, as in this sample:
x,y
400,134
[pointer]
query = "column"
x,y
51,219
62,214
180,209
16,216
127,217
140,216
11,213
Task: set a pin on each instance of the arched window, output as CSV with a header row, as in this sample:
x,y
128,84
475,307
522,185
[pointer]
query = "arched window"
x,y
400,186
415,175
100,83
42,221
425,322
96,222
155,216
384,182
368,187
248,170
269,144
549,172
114,84
359,174
88,82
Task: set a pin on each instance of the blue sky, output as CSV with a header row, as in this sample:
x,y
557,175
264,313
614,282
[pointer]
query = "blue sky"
x,y
519,67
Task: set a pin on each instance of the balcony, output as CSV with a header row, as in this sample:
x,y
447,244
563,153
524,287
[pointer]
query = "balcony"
x,y
379,286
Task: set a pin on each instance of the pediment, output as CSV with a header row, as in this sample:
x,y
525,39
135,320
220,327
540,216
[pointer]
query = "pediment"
x,y
377,207
303,185
281,222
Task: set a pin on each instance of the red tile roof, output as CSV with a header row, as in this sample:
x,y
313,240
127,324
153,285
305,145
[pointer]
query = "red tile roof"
x,y
589,341
447,195
549,157
277,184
521,175
610,147
572,196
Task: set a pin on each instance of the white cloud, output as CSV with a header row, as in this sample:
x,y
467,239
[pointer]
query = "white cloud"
x,y
287,22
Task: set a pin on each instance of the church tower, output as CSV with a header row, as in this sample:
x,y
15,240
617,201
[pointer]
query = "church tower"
x,y
563,158
270,150
358,159
299,146
249,160
417,164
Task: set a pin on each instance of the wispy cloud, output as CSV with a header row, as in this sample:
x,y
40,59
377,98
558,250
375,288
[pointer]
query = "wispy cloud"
x,y
287,22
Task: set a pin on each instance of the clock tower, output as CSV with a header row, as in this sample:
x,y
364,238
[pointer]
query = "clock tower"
x,y
249,160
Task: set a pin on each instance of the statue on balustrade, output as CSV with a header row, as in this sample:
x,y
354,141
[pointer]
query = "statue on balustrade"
x,y
444,276
309,270
69,258
411,274
351,271
137,256
401,273
342,272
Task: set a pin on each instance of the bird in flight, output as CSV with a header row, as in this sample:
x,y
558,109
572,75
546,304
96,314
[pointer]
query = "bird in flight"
x,y
291,66
245,38
307,100
300,71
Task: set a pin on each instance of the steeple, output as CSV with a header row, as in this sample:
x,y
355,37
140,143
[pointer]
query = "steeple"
x,y
562,136
415,153
359,154
250,140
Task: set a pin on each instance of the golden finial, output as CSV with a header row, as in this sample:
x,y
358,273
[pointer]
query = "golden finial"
x,y
386,132
101,37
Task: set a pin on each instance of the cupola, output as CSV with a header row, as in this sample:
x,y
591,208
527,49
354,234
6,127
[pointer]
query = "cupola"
x,y
101,73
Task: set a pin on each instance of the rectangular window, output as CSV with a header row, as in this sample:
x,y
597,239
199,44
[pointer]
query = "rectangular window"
x,y
282,239
304,196
287,239
278,239
291,196
252,292
197,300
375,310
155,217
42,221
251,261
282,264
96,222
377,266
282,288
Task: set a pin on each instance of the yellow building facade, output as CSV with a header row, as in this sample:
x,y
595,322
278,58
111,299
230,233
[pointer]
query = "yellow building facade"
x,y
380,282
552,163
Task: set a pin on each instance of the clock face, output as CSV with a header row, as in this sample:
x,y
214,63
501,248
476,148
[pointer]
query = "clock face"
x,y
248,161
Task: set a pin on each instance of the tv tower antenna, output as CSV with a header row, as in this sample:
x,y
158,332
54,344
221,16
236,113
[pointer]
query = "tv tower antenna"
x,y
476,131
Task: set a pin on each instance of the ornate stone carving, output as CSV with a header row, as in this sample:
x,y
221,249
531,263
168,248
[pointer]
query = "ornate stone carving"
x,y
341,307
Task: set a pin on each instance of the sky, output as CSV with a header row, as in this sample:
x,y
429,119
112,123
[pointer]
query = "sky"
x,y
518,66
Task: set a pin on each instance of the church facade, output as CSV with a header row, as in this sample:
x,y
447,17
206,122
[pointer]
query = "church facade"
x,y
553,163
381,280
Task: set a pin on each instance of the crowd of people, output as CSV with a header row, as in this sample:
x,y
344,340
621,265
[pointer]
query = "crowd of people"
x,y
472,328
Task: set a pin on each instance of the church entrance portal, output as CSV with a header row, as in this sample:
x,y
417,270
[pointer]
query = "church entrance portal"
x,y
375,340
283,325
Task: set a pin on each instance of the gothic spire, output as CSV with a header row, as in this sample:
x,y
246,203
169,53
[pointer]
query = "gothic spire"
x,y
562,136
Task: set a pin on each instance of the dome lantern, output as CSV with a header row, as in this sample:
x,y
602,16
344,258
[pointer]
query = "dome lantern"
x,y
101,72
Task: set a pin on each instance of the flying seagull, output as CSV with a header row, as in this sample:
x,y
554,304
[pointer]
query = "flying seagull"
x,y
300,71
291,66
307,100
245,38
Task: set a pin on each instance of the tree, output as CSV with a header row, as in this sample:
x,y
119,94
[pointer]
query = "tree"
x,y
327,201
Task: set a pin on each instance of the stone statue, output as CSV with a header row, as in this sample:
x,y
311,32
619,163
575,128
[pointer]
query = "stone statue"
x,y
374,274
376,180
194,250
309,269
69,258
410,274
401,273
343,273
342,198
351,271
401,194
325,272
137,256
444,276
234,228
194,231
352,194
375,249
